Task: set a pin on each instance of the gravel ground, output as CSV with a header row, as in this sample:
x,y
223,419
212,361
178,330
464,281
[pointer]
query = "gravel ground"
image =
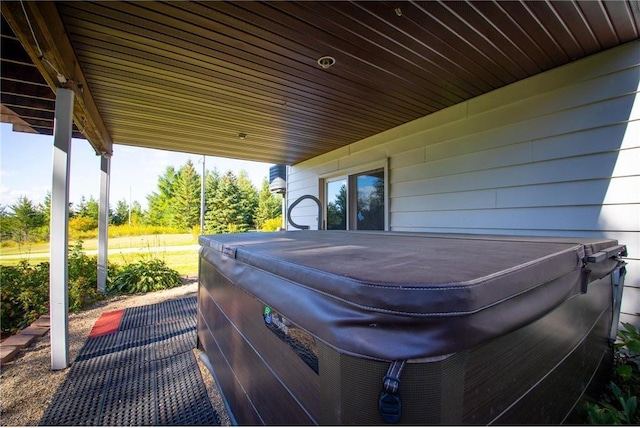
x,y
27,384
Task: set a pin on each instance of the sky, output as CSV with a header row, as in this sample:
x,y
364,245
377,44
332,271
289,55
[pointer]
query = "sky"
x,y
26,169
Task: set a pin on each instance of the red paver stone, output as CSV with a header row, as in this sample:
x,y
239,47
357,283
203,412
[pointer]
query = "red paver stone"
x,y
43,321
19,340
7,353
35,331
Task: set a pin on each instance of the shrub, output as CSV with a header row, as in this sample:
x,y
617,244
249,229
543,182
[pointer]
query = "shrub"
x,y
24,293
81,265
234,228
145,276
126,230
25,288
82,293
619,404
272,225
83,279
82,224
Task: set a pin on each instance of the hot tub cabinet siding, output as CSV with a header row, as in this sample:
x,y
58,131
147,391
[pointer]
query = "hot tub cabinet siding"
x,y
302,327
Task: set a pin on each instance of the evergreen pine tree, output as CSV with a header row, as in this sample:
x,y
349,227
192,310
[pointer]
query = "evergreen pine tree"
x,y
27,219
248,198
211,184
137,214
161,210
225,213
269,205
92,209
81,210
186,197
7,224
45,208
121,215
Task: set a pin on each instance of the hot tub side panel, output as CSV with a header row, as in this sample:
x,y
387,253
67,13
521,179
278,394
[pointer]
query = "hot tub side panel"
x,y
534,375
537,374
531,375
262,379
431,393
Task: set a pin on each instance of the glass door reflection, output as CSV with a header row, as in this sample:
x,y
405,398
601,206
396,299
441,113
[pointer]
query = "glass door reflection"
x,y
337,204
369,202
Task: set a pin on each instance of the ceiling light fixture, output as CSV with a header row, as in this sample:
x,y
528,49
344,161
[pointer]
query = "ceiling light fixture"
x,y
326,62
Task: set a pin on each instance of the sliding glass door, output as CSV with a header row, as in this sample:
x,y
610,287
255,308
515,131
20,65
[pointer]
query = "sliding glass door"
x,y
369,201
355,202
336,204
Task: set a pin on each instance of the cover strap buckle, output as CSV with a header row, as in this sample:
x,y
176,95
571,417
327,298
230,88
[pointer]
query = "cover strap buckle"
x,y
389,403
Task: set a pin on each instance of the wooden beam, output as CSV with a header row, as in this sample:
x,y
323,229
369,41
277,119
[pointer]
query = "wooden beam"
x,y
9,116
43,36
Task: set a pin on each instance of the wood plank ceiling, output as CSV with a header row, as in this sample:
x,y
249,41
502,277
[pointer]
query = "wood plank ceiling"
x,y
241,79
27,100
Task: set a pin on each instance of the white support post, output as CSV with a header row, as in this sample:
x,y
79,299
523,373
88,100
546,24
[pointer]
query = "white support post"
x,y
202,206
58,271
103,222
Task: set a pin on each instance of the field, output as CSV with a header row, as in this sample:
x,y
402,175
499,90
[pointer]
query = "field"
x,y
179,251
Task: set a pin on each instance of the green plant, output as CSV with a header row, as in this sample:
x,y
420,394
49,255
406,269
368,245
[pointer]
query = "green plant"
x,y
619,404
24,294
144,276
81,265
83,278
629,344
138,230
82,224
82,293
272,224
234,228
25,288
624,412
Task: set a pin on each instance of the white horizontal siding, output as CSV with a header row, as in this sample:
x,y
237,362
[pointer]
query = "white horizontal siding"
x,y
556,154
577,218
618,136
619,190
631,300
306,212
440,178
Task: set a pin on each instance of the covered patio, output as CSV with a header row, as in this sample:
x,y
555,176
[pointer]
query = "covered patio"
x,y
279,82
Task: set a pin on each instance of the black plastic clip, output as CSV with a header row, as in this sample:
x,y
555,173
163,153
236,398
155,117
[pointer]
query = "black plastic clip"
x,y
229,251
389,403
585,274
390,407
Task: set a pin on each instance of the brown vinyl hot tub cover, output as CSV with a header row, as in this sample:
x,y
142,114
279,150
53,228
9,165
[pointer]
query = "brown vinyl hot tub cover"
x,y
393,296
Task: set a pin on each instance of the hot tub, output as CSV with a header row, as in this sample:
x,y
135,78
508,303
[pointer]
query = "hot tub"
x,y
336,327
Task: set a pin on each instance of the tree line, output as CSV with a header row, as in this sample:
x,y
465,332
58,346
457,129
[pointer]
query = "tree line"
x,y
232,204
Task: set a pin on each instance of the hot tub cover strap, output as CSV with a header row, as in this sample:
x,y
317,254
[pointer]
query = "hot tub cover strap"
x,y
389,403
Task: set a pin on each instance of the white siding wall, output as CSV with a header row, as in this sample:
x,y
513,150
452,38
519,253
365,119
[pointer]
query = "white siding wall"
x,y
556,154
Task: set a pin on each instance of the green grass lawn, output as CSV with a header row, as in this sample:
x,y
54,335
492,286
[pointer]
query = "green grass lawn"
x,y
121,251
185,262
142,241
